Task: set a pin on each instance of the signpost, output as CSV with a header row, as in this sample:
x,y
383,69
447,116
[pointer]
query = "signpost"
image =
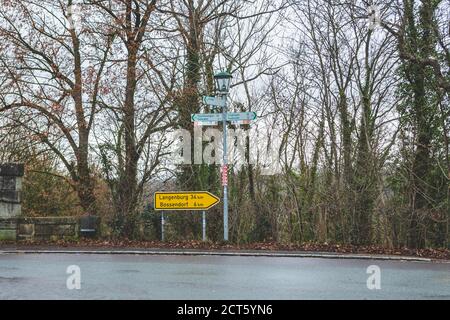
x,y
206,117
214,101
223,80
189,200
184,200
225,163
241,116
215,117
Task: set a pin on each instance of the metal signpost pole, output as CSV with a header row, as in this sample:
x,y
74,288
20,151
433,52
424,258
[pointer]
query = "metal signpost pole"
x,y
162,225
223,80
225,167
204,226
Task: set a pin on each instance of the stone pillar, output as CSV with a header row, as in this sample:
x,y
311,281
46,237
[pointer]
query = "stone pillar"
x,y
10,199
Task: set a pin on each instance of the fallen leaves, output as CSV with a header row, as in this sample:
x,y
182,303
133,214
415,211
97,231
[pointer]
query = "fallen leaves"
x,y
439,253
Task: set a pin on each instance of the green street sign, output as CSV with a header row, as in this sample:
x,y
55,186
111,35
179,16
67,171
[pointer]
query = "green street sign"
x,y
214,101
206,117
231,116
241,116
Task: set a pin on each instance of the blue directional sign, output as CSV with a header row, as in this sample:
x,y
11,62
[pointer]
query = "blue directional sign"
x,y
206,117
231,116
241,116
214,101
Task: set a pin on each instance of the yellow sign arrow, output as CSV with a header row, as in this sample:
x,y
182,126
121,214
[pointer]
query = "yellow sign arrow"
x,y
184,200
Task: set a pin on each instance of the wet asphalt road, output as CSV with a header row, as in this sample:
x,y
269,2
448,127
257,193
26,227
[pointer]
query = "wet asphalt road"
x,y
43,276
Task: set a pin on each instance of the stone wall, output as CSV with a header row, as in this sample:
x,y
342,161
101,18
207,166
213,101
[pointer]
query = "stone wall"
x,y
8,229
10,190
15,227
10,199
48,228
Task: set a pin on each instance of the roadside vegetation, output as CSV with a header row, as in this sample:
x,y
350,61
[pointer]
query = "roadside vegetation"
x,y
356,115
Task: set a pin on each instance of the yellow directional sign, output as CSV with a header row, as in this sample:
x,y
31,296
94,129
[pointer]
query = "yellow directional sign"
x,y
184,200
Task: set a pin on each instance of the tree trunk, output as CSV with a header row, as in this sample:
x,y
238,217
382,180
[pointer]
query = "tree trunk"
x,y
128,180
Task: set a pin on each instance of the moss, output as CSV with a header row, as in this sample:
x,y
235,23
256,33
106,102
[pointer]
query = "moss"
x,y
6,235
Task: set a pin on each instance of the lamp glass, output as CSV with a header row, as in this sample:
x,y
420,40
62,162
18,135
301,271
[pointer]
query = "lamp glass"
x,y
223,81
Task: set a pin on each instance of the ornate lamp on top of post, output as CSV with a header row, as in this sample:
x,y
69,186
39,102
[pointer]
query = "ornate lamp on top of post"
x,y
223,81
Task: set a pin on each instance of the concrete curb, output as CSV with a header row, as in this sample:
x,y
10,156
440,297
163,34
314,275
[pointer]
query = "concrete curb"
x,y
225,253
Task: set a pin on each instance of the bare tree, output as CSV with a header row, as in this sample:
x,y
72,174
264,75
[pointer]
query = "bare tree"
x,y
137,110
48,81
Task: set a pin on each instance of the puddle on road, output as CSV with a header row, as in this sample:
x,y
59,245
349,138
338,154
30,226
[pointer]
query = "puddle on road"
x,y
11,279
128,271
8,269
